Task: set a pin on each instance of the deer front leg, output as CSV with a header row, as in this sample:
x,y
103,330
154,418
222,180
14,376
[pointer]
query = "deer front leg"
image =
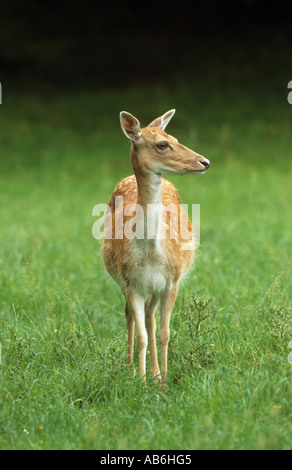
x,y
151,308
167,302
136,305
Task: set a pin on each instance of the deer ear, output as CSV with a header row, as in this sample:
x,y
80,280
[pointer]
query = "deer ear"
x,y
162,121
130,126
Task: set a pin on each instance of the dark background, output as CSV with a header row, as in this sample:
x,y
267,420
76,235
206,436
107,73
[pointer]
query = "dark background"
x,y
119,44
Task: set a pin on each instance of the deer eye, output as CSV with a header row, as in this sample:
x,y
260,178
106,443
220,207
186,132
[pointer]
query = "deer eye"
x,y
162,145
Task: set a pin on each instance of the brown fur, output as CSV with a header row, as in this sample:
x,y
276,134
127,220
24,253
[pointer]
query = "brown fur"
x,y
117,252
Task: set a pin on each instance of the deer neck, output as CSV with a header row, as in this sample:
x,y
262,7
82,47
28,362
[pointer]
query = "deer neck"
x,y
149,190
150,199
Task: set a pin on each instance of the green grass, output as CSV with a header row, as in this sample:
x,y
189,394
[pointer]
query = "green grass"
x,y
64,382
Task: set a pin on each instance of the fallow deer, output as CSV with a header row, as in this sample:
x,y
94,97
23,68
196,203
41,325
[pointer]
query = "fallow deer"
x,y
148,270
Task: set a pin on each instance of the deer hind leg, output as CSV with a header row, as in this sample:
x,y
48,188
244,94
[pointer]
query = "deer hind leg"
x,y
167,302
151,309
135,304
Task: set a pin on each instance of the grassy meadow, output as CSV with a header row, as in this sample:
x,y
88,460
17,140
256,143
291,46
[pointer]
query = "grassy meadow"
x,y
64,382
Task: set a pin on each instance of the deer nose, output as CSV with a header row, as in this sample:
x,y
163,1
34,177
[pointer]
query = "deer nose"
x,y
205,163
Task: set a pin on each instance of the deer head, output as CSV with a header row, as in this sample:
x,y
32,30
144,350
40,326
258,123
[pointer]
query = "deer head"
x,y
155,151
